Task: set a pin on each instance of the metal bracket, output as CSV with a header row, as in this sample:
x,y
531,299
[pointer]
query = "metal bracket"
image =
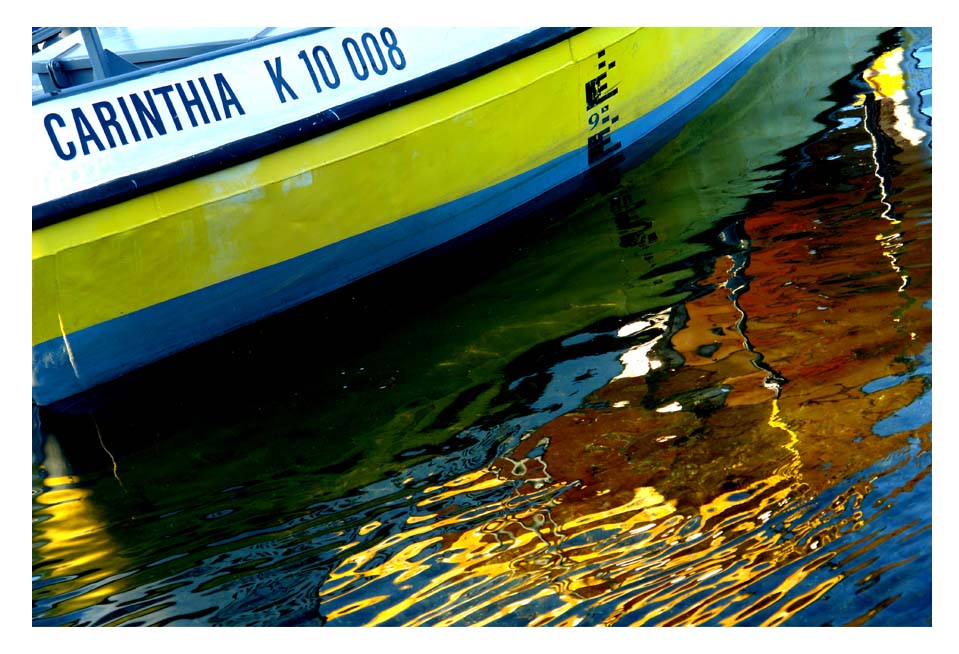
x,y
58,77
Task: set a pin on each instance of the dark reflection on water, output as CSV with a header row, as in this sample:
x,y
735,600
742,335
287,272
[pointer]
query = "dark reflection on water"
x,y
699,392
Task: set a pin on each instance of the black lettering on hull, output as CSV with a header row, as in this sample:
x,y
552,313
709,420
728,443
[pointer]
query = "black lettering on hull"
x,y
126,120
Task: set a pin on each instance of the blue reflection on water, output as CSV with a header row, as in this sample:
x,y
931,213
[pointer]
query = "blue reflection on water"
x,y
895,542
919,411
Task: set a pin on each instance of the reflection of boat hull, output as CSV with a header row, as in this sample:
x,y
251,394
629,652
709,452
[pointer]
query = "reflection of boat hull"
x,y
116,287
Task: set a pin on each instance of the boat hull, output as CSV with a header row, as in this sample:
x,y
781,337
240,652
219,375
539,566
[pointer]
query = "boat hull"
x,y
119,287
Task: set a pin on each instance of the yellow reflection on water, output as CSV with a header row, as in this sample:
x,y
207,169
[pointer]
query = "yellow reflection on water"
x,y
888,80
563,551
70,535
606,557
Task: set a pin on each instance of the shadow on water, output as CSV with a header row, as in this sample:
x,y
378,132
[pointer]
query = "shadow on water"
x,y
684,396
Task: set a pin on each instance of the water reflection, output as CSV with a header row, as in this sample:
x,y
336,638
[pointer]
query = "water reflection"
x,y
702,398
686,490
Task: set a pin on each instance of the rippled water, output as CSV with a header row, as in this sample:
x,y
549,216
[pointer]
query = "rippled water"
x,y
696,393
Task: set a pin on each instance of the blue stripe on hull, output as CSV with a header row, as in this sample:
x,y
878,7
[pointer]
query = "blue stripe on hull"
x,y
103,352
